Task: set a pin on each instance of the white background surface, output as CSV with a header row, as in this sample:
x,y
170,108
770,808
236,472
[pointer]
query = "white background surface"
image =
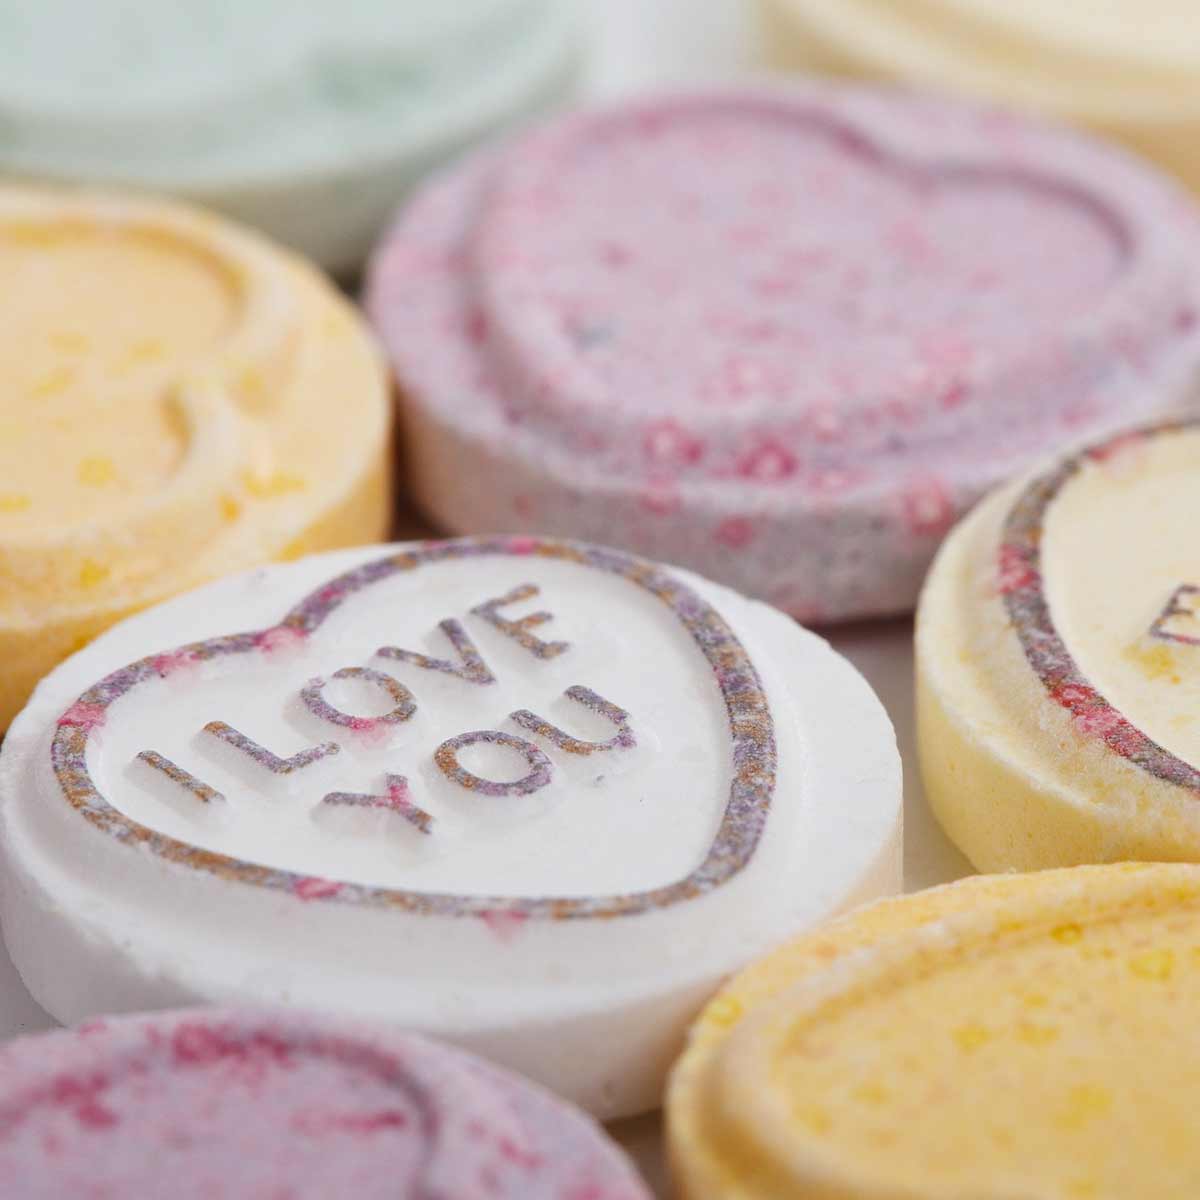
x,y
638,45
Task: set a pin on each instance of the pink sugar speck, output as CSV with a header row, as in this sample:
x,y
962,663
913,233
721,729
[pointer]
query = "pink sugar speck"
x,y
176,660
768,462
399,795
668,442
93,1115
281,638
85,716
504,924
735,532
1074,696
1013,572
370,731
1117,447
1100,722
660,497
314,888
927,508
476,327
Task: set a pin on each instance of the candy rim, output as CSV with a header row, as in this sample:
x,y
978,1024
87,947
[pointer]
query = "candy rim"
x,y
820,970
751,728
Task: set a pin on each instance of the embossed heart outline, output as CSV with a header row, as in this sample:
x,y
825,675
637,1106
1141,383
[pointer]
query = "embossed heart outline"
x,y
751,727
1019,565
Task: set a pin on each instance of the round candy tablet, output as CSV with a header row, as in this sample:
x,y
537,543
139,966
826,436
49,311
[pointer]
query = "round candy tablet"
x,y
308,120
539,797
1013,1036
1058,662
182,400
203,1104
782,337
1129,70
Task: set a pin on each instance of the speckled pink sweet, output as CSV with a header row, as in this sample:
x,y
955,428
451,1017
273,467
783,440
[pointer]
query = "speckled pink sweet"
x,y
783,336
210,1105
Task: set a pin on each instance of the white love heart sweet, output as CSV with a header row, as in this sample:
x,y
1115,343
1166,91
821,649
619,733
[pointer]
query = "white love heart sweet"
x,y
535,796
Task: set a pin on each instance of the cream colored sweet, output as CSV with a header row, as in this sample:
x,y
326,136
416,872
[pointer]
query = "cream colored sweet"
x,y
1027,1036
181,399
1058,662
1129,70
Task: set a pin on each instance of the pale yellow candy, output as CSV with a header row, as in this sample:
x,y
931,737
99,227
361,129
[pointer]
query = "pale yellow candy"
x,y
1128,68
1073,736
181,400
1002,1038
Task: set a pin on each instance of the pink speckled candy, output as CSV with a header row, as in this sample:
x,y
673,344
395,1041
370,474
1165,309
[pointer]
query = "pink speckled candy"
x,y
210,1105
782,336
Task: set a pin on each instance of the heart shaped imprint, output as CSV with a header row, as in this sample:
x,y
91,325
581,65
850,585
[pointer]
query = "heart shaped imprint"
x,y
781,336
1013,1036
307,123
537,796
1058,658
223,1103
1127,70
167,417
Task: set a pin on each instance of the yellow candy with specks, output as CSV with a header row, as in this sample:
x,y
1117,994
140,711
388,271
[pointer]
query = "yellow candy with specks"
x,y
183,400
1001,1038
1058,661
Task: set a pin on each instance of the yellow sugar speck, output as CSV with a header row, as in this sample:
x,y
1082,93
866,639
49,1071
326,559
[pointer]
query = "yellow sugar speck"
x,y
230,508
279,483
145,350
30,233
96,471
725,1011
971,1037
92,573
1153,964
1037,1000
53,382
1157,661
1067,935
1085,1102
251,384
70,341
1037,1035
813,1117
872,1092
14,502
1083,1189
